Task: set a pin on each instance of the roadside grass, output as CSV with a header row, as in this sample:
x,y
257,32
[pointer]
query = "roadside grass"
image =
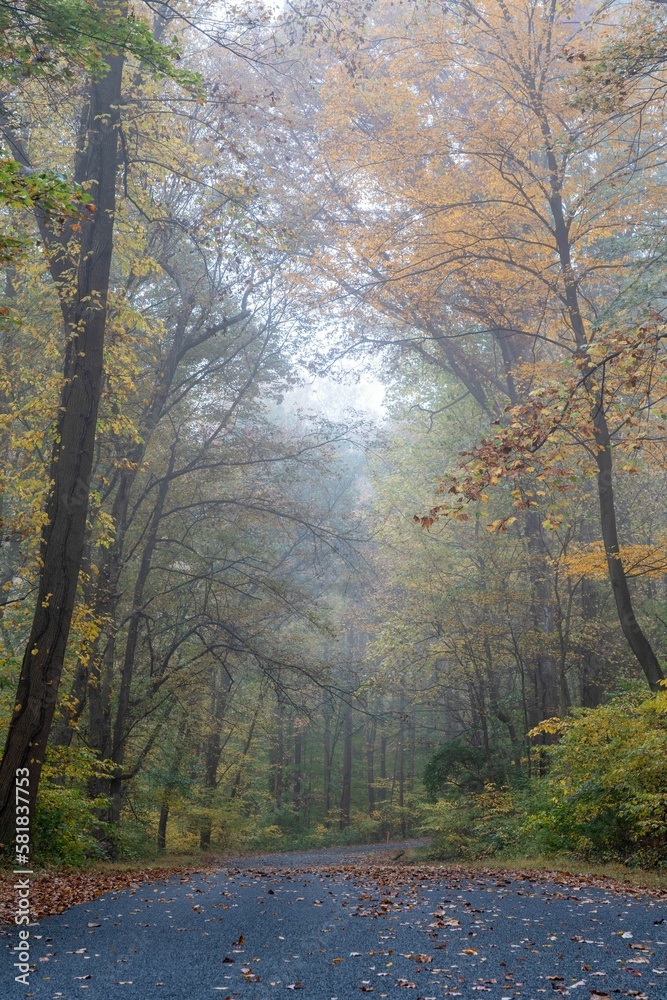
x,y
564,867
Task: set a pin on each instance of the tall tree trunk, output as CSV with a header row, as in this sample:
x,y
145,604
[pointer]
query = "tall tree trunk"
x,y
298,765
63,728
213,749
346,786
236,787
64,532
382,794
161,842
326,761
278,750
371,730
400,758
636,639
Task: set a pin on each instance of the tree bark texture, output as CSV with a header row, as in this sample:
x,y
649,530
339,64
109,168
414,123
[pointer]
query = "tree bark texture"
x,y
63,535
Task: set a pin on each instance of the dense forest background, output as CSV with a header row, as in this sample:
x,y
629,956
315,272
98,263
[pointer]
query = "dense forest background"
x,y
246,603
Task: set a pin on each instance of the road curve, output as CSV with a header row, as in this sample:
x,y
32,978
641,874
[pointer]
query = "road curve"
x,y
336,924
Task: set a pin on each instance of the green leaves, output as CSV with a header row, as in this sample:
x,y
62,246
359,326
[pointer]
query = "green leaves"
x,y
45,190
57,38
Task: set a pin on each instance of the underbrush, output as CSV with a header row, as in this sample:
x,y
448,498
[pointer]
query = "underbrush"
x,y
603,798
66,828
69,830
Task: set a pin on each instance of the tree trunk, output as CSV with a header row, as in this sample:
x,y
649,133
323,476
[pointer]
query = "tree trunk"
x,y
278,751
370,764
382,795
64,532
326,763
638,642
400,754
162,825
236,787
213,750
296,786
346,788
412,750
63,728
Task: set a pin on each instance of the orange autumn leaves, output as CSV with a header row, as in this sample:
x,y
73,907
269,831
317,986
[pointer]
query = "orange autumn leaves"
x,y
447,143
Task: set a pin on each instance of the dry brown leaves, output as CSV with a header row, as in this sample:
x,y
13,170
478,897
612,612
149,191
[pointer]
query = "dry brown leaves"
x,y
52,892
55,891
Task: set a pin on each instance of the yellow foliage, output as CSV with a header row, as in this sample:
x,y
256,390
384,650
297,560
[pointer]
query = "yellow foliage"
x,y
550,727
590,561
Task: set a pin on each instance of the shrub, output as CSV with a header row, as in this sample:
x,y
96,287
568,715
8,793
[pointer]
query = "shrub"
x,y
65,817
477,826
607,785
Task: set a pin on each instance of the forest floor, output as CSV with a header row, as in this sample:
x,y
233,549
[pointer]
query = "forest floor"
x,y
339,922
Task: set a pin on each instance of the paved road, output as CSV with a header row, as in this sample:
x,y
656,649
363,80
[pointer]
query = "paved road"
x,y
332,925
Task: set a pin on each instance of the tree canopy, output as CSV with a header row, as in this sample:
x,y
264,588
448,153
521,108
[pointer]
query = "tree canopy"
x,y
242,602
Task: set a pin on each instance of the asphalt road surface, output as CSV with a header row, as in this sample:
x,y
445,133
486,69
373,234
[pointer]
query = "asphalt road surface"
x,y
336,924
